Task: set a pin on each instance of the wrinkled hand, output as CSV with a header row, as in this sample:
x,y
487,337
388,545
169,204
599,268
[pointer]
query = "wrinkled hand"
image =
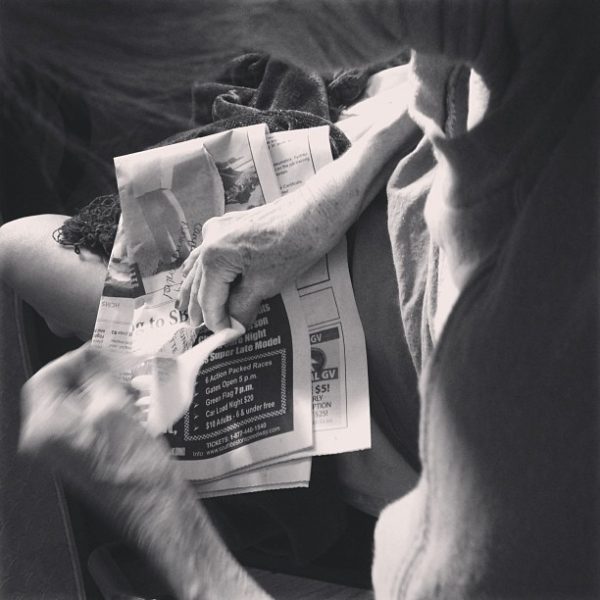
x,y
71,399
246,257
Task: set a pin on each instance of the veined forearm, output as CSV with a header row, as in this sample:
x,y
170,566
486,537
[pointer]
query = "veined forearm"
x,y
173,528
167,521
340,191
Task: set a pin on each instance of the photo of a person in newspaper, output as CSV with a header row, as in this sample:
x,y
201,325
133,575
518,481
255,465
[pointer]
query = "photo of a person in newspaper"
x,y
163,216
475,274
157,219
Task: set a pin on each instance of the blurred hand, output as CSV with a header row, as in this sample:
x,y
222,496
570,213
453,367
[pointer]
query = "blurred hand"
x,y
71,397
80,419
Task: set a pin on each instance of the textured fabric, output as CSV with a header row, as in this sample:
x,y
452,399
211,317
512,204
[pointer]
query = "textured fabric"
x,y
393,378
507,504
411,246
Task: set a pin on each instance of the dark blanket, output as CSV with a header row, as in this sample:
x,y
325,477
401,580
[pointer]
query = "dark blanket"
x,y
254,88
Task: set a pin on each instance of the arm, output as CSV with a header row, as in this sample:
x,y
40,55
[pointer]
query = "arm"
x,y
264,249
82,421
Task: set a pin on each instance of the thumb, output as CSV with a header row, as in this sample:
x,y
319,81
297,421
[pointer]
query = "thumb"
x,y
244,303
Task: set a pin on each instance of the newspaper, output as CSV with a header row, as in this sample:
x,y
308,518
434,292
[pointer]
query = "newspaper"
x,y
341,416
338,354
166,196
250,423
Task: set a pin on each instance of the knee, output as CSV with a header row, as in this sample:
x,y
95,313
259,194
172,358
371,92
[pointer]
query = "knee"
x,y
23,244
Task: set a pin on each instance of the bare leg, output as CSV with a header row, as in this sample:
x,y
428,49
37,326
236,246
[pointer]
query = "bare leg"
x,y
38,555
63,287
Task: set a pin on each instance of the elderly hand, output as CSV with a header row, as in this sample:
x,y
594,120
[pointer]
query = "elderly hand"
x,y
246,257
83,420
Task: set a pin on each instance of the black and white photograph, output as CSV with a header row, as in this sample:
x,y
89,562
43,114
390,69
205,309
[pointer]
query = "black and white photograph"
x,y
299,299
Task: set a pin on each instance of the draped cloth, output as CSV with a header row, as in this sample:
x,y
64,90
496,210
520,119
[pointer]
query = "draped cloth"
x,y
507,503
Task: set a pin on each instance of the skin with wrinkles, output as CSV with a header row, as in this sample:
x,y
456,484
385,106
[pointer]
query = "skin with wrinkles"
x,y
246,257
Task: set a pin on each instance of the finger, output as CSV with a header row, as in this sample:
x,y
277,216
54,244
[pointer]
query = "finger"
x,y
105,394
244,303
99,389
194,310
143,402
143,405
186,287
212,295
190,261
142,384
